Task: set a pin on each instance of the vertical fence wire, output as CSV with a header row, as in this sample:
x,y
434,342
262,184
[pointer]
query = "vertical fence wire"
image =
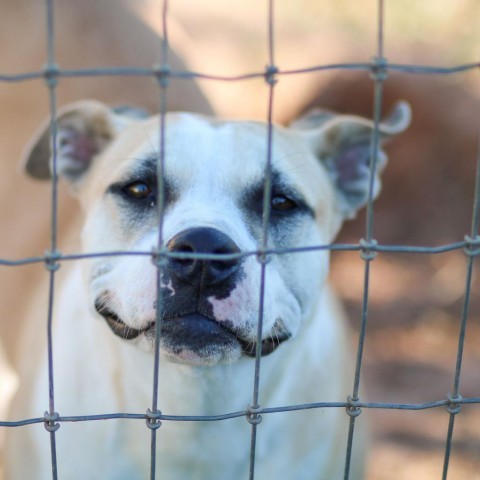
x,y
51,82
253,417
153,415
379,75
471,251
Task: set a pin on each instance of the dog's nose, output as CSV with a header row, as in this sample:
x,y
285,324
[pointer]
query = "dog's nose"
x,y
202,271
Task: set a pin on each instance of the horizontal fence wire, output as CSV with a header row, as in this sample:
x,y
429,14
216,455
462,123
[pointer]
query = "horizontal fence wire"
x,y
470,246
58,72
368,247
448,402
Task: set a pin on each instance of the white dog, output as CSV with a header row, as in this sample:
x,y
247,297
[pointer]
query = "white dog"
x,y
104,326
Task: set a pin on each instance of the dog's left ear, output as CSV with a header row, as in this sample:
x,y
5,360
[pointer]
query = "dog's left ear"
x,y
343,143
84,129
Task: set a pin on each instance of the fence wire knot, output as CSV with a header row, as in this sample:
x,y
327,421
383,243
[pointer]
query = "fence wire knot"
x,y
50,421
51,72
262,258
379,69
51,260
454,406
162,73
159,257
472,245
353,410
153,419
368,249
253,417
270,72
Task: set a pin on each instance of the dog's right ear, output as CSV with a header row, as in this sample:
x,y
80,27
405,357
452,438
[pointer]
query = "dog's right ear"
x,y
343,144
84,129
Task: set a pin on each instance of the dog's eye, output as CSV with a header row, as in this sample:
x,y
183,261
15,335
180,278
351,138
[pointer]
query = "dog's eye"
x,y
137,190
281,203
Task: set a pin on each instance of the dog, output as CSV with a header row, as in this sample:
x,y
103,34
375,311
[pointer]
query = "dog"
x,y
105,312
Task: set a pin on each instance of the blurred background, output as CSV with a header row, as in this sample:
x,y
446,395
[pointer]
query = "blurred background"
x,y
427,199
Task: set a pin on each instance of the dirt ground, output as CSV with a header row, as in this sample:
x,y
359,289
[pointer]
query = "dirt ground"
x,y
415,301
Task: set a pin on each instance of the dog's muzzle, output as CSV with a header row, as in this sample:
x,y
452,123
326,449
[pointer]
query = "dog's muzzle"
x,y
187,322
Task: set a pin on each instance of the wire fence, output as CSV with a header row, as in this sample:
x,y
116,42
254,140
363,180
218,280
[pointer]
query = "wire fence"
x,y
368,247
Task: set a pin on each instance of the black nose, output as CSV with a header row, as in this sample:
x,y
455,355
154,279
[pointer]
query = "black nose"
x,y
200,272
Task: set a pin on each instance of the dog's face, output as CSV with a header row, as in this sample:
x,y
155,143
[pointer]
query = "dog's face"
x,y
213,203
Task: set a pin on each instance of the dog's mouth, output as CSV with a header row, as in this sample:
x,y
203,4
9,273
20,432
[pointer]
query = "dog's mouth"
x,y
194,332
120,328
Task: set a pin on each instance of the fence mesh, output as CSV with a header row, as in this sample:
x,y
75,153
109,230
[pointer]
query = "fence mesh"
x,y
368,247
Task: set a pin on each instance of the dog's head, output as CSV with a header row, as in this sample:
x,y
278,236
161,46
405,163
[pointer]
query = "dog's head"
x,y
213,197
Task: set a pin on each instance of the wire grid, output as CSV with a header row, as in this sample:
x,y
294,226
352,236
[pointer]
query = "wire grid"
x,y
367,247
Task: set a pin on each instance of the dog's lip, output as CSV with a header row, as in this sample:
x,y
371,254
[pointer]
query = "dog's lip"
x,y
249,348
119,327
269,345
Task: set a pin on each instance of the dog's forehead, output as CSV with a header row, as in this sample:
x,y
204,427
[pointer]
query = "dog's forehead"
x,y
197,147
